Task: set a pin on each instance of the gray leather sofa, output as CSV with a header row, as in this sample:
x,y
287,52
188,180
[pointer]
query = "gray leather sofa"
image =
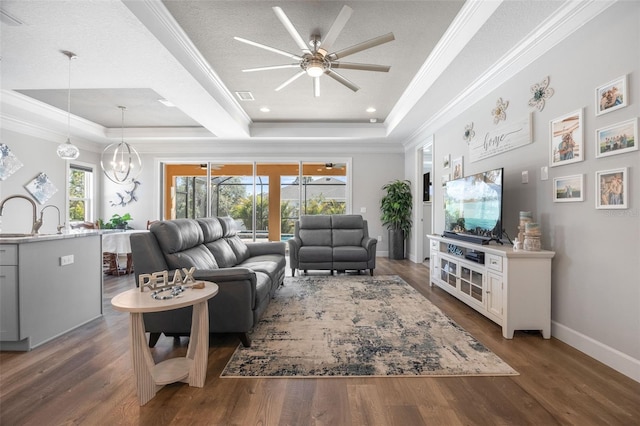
x,y
247,274
332,242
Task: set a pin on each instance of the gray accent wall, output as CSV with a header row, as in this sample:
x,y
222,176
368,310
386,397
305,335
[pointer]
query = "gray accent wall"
x,y
595,273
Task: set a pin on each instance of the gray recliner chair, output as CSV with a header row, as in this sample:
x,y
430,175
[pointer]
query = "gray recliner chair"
x,y
332,242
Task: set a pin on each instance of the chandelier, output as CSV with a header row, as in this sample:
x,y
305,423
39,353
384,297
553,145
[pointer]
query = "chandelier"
x,y
67,150
120,161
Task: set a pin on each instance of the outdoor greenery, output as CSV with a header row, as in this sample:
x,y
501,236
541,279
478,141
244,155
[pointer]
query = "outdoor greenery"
x,y
77,194
230,198
396,206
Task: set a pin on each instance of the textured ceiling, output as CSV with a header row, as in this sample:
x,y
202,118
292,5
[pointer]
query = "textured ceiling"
x,y
416,25
134,52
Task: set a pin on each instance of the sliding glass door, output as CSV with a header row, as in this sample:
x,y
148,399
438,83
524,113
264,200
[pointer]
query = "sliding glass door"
x,y
265,199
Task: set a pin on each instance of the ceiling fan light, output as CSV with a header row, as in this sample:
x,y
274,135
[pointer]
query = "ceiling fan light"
x,y
315,70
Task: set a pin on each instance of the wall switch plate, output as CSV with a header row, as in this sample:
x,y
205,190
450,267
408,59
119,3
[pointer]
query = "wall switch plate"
x,y
363,209
66,260
525,176
544,173
379,237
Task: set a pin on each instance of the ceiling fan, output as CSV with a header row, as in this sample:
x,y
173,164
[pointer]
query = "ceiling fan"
x,y
315,59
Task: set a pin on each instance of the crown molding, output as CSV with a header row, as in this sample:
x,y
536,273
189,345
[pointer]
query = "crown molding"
x,y
267,147
320,131
570,17
22,114
160,133
157,19
472,16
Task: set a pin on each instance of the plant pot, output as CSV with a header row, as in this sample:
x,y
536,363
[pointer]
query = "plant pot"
x,y
396,244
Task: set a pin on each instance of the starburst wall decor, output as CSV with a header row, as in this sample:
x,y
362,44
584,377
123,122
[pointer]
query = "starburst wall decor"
x,y
499,112
469,133
541,92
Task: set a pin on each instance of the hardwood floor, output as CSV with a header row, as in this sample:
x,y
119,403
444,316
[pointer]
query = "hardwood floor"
x,y
85,377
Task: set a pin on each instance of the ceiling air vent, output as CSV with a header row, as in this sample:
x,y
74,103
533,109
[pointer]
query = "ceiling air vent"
x,y
245,96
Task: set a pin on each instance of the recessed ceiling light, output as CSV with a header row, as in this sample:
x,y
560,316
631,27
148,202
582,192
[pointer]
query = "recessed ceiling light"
x,y
371,109
265,109
373,120
166,102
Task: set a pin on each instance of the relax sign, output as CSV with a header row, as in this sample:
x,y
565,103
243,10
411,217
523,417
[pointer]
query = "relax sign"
x,y
161,279
502,139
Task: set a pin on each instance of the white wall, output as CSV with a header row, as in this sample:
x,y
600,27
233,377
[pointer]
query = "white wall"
x,y
37,156
146,206
595,289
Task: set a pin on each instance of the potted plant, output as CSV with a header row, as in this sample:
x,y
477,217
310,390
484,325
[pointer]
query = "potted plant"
x,y
396,215
116,222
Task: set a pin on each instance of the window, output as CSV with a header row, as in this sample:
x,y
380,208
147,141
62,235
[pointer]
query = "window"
x,y
81,196
265,199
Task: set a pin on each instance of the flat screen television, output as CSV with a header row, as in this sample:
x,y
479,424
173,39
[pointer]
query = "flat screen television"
x,y
473,206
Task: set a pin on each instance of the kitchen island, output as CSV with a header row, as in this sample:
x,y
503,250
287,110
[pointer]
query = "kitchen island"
x,y
49,285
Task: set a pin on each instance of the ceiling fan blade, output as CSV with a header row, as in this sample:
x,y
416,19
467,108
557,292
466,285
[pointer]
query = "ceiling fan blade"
x,y
272,67
337,26
362,46
361,67
286,83
340,79
269,48
316,87
291,29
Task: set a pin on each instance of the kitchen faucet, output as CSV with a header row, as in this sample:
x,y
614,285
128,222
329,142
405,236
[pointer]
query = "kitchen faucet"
x,y
60,226
37,223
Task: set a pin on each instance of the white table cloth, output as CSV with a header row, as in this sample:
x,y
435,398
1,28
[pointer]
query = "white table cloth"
x,y
118,242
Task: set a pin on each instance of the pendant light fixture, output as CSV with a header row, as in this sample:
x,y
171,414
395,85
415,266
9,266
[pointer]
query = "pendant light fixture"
x,y
120,162
67,150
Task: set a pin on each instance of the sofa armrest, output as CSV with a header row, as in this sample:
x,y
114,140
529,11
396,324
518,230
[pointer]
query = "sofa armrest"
x,y
225,274
294,247
243,280
370,244
271,247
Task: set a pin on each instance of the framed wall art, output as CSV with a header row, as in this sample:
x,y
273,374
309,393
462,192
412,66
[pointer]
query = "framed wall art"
x,y
612,95
445,161
9,163
41,188
456,165
612,189
566,138
568,189
617,138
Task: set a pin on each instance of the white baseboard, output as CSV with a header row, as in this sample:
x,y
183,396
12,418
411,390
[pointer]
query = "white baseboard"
x,y
612,357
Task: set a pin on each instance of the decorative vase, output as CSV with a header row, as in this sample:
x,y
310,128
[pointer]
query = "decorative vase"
x,y
396,244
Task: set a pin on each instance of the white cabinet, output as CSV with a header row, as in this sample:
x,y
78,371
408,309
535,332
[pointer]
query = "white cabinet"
x,y
8,292
512,288
40,298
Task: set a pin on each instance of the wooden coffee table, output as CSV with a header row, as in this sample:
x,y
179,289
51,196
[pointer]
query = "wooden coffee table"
x,y
191,369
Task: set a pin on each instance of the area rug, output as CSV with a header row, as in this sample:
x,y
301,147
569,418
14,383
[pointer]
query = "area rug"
x,y
358,326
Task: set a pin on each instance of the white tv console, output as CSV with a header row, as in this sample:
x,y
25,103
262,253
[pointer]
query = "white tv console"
x,y
512,288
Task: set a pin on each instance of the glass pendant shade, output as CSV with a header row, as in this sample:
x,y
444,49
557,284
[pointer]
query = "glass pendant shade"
x,y
67,150
120,162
